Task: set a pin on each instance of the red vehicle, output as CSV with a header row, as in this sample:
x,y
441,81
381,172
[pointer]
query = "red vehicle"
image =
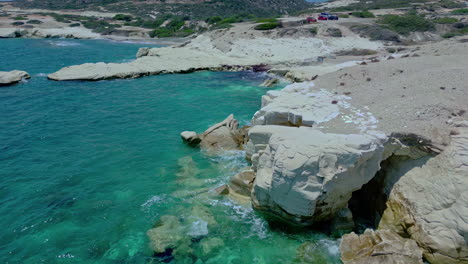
x,y
311,20
322,17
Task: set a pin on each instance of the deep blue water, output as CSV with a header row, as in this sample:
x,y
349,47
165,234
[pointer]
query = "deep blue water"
x,y
86,168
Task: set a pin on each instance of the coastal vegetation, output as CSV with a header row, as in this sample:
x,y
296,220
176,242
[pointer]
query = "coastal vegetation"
x,y
363,14
404,24
196,11
445,20
461,11
268,26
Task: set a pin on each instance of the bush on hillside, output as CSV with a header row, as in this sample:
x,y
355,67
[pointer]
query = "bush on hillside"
x,y
363,14
445,20
20,18
405,24
461,11
313,30
74,25
18,23
267,26
34,21
266,20
123,17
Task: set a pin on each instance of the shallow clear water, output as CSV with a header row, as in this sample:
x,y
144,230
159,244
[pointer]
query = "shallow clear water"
x,y
86,168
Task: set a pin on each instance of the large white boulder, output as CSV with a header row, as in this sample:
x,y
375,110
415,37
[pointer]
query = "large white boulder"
x,y
305,175
12,77
429,202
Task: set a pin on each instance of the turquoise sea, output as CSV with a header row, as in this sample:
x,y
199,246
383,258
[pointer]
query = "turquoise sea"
x,y
86,168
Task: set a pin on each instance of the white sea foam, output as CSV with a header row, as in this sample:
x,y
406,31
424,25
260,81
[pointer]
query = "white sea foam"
x,y
63,43
198,228
153,200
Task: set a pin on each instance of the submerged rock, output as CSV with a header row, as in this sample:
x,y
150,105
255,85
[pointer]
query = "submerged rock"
x,y
429,202
12,77
382,246
167,234
211,245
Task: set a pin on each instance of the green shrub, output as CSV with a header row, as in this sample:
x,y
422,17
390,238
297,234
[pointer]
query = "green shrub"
x,y
161,33
313,30
267,26
74,25
363,14
20,18
213,20
405,24
445,20
34,21
461,11
123,17
343,15
459,32
18,23
266,20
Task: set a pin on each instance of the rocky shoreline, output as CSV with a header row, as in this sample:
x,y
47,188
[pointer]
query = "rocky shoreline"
x,y
306,171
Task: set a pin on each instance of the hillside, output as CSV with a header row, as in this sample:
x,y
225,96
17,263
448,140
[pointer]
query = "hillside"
x,y
195,9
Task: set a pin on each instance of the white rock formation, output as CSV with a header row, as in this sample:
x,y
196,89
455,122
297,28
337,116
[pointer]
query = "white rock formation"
x,y
12,77
300,104
306,175
213,51
429,202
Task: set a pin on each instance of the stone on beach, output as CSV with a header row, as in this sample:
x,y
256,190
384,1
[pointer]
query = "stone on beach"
x,y
12,77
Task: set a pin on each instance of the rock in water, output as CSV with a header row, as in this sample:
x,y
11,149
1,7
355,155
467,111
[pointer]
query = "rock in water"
x,y
190,137
225,135
383,246
167,234
270,82
305,175
429,203
241,183
12,77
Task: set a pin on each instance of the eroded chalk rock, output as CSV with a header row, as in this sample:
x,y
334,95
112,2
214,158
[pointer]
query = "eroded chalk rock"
x,y
305,175
12,77
190,137
241,183
225,135
429,202
270,82
383,246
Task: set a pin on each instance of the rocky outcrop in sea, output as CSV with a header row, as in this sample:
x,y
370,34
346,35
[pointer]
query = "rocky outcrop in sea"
x,y
12,77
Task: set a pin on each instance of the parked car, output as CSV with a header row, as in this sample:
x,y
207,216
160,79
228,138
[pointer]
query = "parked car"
x,y
327,16
311,20
322,17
